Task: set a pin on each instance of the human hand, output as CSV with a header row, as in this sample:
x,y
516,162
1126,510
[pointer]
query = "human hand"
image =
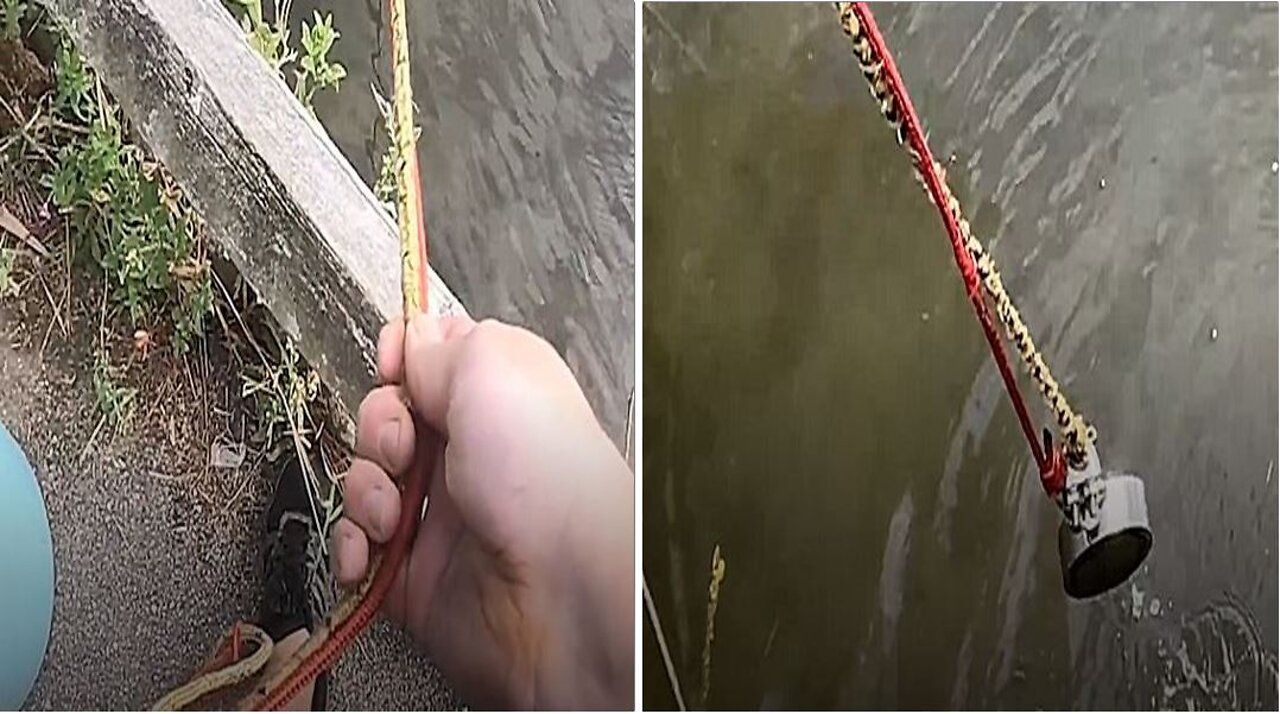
x,y
521,581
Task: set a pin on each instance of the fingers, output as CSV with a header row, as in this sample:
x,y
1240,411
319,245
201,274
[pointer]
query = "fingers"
x,y
371,500
431,355
350,553
384,431
391,344
391,353
372,508
351,563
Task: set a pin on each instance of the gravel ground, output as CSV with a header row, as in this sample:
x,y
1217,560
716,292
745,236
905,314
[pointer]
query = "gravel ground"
x,y
155,556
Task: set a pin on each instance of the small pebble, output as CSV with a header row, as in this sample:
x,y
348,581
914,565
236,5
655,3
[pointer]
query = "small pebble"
x,y
1102,183
924,316
1213,334
1275,166
951,160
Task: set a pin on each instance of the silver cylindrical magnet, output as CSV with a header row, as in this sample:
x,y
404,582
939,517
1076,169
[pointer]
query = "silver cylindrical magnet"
x,y
1096,560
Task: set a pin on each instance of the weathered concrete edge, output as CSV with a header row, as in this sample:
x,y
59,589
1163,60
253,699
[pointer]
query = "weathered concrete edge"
x,y
275,193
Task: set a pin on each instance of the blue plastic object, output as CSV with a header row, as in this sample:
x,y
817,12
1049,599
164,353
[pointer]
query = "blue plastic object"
x,y
26,575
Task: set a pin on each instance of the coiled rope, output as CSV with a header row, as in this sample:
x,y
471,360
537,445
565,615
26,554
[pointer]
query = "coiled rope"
x,y
976,265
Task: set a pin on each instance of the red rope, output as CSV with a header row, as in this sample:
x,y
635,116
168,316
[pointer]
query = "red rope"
x,y
933,182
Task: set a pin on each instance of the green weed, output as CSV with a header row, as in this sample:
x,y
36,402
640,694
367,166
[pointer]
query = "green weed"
x,y
190,315
11,12
127,217
113,401
284,392
74,86
386,188
315,71
270,37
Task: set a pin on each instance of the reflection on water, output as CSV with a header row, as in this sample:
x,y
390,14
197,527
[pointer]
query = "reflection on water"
x,y
819,400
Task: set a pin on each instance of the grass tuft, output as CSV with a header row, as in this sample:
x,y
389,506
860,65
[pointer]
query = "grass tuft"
x,y
114,401
313,71
127,218
11,13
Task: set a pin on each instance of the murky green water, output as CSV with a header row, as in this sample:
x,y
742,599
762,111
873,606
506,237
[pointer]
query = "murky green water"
x,y
819,400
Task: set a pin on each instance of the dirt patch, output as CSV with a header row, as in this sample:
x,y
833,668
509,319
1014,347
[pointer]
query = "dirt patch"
x,y
24,78
155,553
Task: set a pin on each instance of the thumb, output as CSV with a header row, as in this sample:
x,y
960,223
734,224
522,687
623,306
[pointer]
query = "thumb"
x,y
432,350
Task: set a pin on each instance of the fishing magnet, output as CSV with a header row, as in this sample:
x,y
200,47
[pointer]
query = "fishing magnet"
x,y
1105,534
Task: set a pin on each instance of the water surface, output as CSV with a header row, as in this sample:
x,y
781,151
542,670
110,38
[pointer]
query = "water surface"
x,y
527,147
819,399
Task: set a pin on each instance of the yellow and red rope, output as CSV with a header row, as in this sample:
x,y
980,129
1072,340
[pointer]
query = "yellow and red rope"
x,y
977,267
354,612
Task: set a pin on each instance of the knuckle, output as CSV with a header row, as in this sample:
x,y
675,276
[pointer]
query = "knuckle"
x,y
488,336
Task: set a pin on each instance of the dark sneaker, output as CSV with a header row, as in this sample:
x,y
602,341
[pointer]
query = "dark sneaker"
x,y
289,602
